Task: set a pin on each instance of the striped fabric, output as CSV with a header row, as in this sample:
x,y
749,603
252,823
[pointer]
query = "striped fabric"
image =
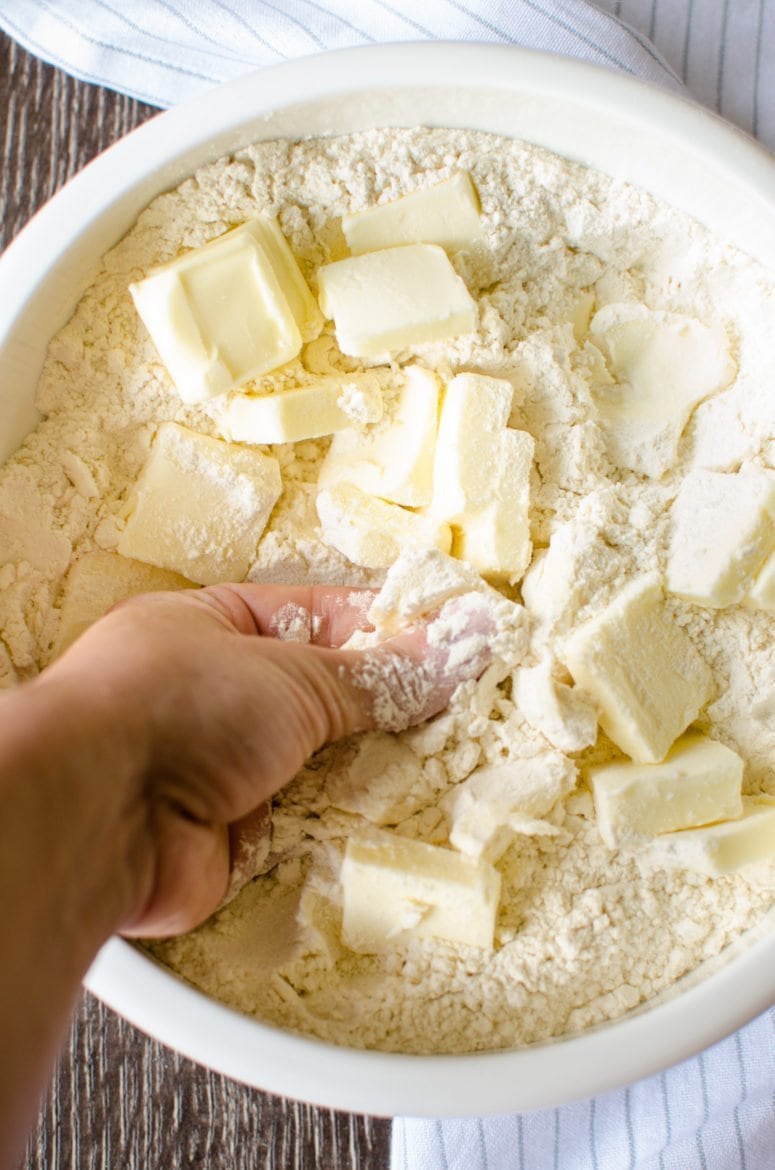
x,y
723,50
163,51
716,1111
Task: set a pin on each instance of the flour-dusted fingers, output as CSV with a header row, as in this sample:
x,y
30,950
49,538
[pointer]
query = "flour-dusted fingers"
x,y
325,615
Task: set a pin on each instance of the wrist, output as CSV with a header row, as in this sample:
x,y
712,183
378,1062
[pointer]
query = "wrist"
x,y
72,769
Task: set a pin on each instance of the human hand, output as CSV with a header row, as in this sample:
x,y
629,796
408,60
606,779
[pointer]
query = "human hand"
x,y
222,710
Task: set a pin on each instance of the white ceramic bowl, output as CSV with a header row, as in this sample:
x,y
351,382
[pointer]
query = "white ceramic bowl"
x,y
668,145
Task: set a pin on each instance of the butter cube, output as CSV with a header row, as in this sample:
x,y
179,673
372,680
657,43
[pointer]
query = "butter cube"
x,y
481,477
722,532
642,670
662,364
398,297
446,214
304,412
495,539
469,454
371,532
726,847
761,594
395,888
266,231
96,582
698,782
393,459
228,312
200,506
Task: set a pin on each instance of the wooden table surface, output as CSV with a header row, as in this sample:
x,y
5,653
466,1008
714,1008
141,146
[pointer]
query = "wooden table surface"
x,y
119,1101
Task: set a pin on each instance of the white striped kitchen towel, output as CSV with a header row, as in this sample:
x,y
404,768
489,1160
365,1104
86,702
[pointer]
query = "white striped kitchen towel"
x,y
713,1112
717,1110
163,51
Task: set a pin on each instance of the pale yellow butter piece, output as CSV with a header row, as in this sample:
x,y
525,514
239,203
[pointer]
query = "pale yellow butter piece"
x,y
303,412
761,594
698,782
446,214
394,458
725,847
495,539
200,506
371,532
394,888
469,456
398,297
481,477
642,670
722,532
229,311
663,364
266,231
96,582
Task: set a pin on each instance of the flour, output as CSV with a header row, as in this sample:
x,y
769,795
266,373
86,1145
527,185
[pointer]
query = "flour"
x,y
584,934
292,623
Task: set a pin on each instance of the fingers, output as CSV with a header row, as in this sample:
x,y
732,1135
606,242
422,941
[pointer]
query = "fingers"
x,y
413,676
192,872
230,720
325,615
390,686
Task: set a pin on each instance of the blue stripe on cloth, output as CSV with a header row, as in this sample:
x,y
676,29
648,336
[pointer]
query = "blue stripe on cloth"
x,y
420,28
705,1112
593,1134
758,67
629,1127
483,1144
668,1123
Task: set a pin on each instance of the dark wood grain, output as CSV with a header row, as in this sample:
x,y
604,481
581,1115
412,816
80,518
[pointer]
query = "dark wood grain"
x,y
119,1101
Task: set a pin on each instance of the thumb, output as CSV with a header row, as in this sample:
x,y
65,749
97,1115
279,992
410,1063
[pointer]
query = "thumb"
x,y
413,676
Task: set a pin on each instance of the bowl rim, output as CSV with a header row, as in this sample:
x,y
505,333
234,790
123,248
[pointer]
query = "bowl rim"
x,y
162,151
547,1074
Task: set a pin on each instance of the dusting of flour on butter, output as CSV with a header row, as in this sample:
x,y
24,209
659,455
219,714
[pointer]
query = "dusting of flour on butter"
x,y
584,933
